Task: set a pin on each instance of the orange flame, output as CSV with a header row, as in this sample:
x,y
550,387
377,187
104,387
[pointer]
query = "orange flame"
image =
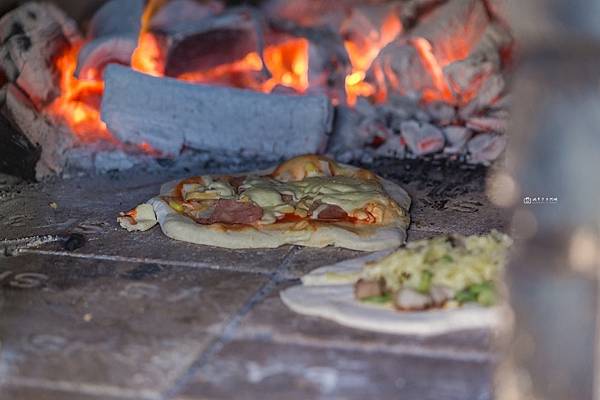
x,y
441,90
146,57
77,103
363,54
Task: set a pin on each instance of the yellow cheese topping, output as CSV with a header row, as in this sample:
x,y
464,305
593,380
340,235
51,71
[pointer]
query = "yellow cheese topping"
x,y
361,199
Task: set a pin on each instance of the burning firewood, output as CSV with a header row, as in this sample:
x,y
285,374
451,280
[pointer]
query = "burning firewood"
x,y
199,45
113,37
168,114
32,36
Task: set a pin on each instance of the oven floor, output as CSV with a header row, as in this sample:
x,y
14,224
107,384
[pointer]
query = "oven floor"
x,y
140,316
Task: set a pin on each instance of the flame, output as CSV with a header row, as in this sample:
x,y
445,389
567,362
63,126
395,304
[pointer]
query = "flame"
x,y
146,57
75,105
441,90
363,53
288,64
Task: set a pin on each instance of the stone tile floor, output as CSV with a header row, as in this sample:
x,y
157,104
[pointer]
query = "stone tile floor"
x,y
140,316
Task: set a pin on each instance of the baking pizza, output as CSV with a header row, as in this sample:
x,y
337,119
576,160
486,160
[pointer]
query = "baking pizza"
x,y
309,201
426,287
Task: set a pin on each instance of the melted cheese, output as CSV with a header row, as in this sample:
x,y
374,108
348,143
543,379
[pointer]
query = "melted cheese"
x,y
361,199
209,189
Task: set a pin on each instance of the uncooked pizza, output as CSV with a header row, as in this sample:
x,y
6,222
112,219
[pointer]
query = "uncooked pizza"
x,y
426,287
309,201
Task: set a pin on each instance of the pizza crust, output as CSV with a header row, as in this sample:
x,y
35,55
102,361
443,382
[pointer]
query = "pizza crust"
x,y
328,292
319,234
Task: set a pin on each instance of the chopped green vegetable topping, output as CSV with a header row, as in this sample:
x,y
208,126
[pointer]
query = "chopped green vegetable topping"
x,y
386,298
447,258
465,296
425,282
482,293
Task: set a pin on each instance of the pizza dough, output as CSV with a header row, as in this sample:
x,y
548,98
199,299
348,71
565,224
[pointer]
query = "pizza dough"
x,y
328,292
311,233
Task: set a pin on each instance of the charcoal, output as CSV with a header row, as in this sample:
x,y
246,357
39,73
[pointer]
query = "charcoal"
x,y
422,138
456,137
488,124
169,114
32,37
441,112
488,93
394,146
402,107
486,147
112,37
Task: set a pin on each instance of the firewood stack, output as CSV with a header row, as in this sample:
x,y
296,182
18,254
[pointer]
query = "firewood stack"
x,y
435,72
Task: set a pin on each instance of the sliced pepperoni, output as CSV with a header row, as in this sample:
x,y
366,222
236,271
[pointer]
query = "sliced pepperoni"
x,y
233,212
332,212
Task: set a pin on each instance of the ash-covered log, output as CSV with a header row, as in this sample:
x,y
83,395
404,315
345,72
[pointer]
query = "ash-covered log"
x,y
113,37
32,37
169,115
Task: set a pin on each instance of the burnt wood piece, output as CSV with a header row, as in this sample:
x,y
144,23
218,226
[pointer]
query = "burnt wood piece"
x,y
31,37
53,141
169,114
196,46
18,156
113,37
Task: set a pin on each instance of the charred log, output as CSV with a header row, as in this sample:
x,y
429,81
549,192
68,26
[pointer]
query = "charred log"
x,y
200,45
169,115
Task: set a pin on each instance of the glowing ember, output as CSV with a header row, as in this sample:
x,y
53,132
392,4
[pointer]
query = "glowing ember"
x,y
77,104
287,63
363,53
